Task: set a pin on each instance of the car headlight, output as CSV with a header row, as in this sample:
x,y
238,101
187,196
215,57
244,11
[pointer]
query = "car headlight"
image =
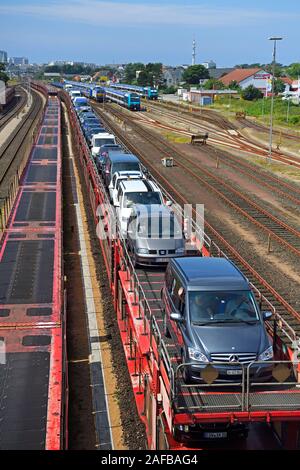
x,y
196,355
267,354
179,251
143,251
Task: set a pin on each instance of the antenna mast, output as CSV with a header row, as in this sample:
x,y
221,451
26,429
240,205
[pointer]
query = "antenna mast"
x,y
194,53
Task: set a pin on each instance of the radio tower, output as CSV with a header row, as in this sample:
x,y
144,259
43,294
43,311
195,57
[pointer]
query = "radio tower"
x,y
194,53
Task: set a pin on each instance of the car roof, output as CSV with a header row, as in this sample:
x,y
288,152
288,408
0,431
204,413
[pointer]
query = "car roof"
x,y
122,157
153,210
104,135
125,173
207,273
140,185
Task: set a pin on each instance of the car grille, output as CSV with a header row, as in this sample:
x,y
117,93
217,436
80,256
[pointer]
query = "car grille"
x,y
243,358
152,252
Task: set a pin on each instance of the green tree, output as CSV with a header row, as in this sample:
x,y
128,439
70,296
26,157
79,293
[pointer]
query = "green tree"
x,y
3,76
233,85
154,71
293,70
194,73
143,78
279,86
248,66
278,69
251,93
214,84
130,71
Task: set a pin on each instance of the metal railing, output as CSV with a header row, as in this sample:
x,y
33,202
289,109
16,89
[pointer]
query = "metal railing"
x,y
246,394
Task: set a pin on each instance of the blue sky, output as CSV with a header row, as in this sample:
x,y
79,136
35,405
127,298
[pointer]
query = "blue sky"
x,y
138,30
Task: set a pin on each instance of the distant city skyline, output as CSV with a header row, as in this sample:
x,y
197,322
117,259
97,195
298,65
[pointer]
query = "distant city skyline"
x,y
121,31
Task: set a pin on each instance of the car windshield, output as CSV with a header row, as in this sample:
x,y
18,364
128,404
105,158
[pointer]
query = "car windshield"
x,y
91,122
222,307
125,166
106,147
99,142
145,198
159,227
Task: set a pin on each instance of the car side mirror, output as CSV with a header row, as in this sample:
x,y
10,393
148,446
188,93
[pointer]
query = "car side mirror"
x,y
176,317
267,315
169,203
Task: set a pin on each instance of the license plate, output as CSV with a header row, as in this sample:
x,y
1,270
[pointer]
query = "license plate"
x,y
234,372
161,260
215,435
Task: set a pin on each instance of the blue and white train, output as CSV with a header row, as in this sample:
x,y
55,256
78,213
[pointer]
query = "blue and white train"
x,y
130,101
145,92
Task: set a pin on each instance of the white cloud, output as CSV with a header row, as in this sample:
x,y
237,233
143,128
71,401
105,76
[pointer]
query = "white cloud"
x,y
97,12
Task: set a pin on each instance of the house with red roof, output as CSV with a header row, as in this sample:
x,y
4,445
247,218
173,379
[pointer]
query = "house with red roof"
x,y
257,77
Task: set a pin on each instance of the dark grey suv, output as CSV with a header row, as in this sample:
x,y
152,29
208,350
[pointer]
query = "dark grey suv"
x,y
216,319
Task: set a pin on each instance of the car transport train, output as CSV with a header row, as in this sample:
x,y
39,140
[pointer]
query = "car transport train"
x,y
199,339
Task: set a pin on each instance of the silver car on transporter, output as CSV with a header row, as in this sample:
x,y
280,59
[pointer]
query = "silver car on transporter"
x,y
154,235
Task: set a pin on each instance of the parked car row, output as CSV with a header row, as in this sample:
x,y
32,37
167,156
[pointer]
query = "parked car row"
x,y
207,303
154,234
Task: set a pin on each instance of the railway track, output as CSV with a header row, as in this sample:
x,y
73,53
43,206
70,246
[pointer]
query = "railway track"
x,y
261,128
238,140
290,317
280,231
13,145
282,188
14,109
275,184
199,115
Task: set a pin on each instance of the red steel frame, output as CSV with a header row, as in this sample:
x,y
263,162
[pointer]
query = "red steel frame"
x,y
20,325
135,333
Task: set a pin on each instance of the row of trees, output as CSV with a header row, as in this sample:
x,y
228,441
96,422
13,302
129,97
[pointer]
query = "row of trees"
x,y
292,70
68,69
148,75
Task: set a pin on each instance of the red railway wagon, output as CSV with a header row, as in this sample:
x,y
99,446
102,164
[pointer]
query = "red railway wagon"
x,y
174,412
33,375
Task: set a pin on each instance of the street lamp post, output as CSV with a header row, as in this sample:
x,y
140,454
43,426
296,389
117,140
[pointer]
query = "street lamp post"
x,y
274,39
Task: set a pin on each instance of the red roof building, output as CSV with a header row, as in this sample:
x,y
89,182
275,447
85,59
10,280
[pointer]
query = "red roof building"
x,y
257,77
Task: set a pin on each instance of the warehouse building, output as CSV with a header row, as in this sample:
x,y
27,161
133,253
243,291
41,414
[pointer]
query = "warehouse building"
x,y
207,97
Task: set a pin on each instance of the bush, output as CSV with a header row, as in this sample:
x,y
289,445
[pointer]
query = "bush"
x,y
169,90
251,93
294,119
